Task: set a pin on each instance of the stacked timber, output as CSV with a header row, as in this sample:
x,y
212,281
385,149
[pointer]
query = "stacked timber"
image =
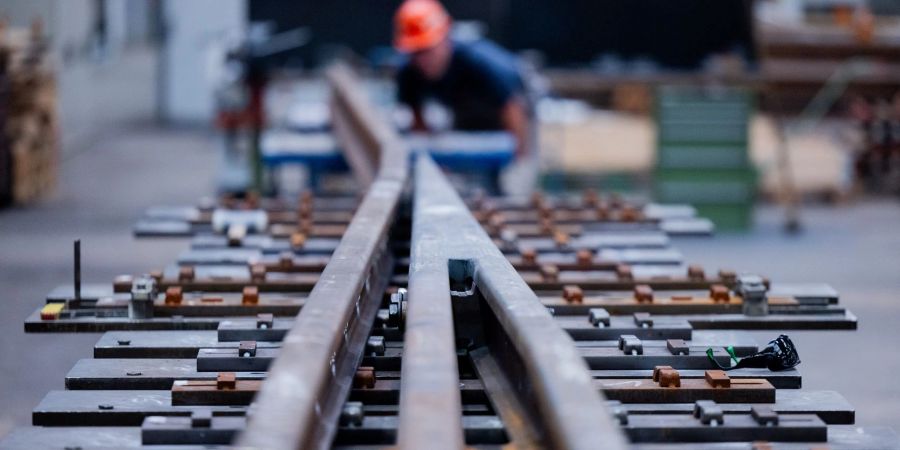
x,y
29,122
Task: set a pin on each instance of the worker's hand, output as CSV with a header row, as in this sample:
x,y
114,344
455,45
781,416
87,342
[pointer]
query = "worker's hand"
x,y
515,120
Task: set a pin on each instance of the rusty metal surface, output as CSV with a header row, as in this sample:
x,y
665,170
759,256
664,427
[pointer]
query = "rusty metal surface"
x,y
453,329
294,407
430,413
572,411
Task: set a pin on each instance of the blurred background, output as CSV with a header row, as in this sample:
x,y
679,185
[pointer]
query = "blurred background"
x,y
777,119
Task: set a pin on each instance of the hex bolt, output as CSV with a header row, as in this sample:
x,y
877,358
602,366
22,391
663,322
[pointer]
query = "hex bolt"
x,y
598,316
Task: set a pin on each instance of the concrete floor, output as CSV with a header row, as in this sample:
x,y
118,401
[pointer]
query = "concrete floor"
x,y
104,188
102,191
855,248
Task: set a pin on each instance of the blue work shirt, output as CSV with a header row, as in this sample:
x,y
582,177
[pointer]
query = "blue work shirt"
x,y
480,79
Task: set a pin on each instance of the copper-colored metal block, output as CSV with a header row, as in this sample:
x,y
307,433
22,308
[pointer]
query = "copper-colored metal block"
x,y
719,293
250,295
718,379
573,294
173,295
643,293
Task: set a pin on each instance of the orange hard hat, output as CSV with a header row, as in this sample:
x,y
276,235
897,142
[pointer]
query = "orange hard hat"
x,y
419,25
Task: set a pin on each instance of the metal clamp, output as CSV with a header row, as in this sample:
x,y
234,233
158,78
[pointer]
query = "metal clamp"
x,y
631,345
678,347
596,316
247,349
352,414
752,290
264,321
143,293
764,415
375,345
709,412
643,320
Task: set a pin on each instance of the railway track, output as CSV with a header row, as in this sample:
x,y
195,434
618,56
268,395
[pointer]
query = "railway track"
x,y
408,316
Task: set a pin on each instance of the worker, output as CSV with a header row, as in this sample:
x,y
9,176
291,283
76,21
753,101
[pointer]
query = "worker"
x,y
478,81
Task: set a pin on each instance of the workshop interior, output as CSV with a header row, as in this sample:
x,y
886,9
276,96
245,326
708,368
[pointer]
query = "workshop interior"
x,y
447,224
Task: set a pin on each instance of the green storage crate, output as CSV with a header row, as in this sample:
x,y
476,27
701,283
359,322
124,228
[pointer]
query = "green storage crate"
x,y
698,186
702,156
692,115
728,217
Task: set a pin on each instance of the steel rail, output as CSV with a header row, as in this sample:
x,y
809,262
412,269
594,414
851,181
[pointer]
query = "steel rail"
x,y
430,413
299,403
555,379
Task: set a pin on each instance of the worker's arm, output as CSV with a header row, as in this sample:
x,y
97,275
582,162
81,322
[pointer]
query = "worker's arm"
x,y
515,120
418,119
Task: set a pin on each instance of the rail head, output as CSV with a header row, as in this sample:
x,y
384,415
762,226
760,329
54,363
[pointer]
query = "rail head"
x,y
570,408
298,404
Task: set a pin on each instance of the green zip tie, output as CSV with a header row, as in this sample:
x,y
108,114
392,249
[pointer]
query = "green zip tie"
x,y
730,350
